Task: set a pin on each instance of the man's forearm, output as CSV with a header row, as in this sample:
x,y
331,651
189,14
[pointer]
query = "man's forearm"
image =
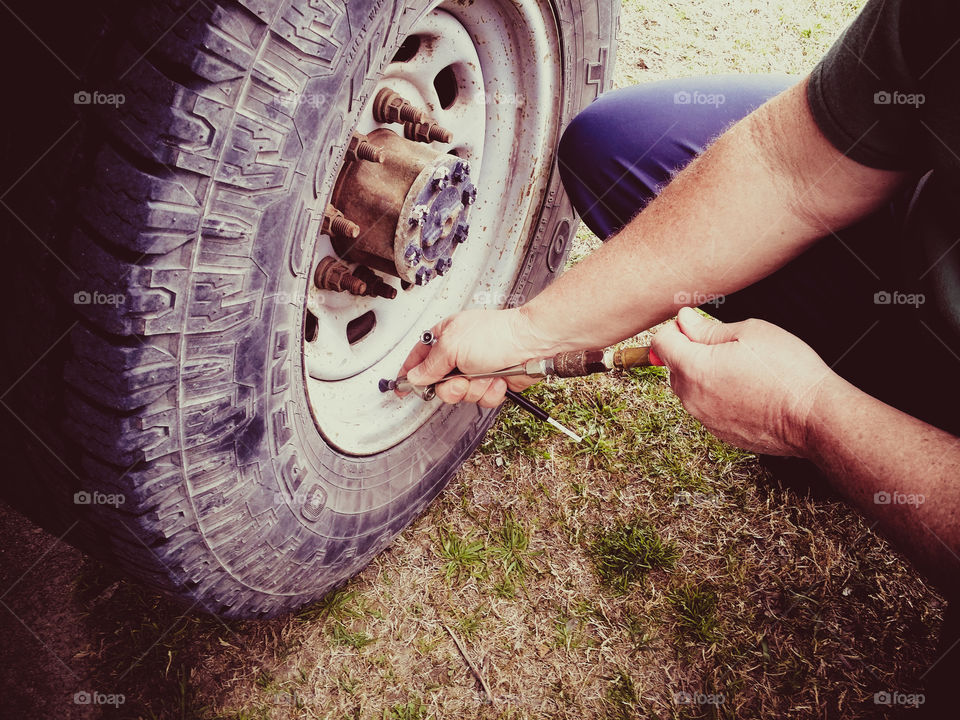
x,y
765,191
897,470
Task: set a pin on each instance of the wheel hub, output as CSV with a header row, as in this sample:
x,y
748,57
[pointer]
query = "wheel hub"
x,y
412,209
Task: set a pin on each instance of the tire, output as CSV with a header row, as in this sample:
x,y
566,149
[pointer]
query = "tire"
x,y
167,426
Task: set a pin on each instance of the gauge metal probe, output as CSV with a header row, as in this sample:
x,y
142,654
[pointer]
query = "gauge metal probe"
x,y
540,414
428,392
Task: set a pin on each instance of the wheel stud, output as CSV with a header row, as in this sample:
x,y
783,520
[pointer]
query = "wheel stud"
x,y
362,149
336,223
426,132
331,274
388,107
376,287
441,178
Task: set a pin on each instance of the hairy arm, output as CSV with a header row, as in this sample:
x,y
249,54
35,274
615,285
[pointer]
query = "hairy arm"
x,y
897,470
758,197
757,386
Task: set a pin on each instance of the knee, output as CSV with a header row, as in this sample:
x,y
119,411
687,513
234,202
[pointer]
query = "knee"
x,y
581,146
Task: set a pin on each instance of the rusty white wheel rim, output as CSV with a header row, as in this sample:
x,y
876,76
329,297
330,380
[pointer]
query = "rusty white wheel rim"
x,y
505,59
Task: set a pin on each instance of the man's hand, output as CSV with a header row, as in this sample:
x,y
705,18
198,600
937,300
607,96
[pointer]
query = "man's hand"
x,y
475,341
750,383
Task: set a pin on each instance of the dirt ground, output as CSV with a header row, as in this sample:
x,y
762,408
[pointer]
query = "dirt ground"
x,y
650,572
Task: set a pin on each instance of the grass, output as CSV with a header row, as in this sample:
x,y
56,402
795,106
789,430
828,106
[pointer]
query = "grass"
x,y
628,552
340,634
696,611
463,556
621,697
413,709
512,548
470,624
592,580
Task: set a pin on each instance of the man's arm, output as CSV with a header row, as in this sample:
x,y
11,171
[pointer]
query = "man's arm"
x,y
896,470
759,387
758,197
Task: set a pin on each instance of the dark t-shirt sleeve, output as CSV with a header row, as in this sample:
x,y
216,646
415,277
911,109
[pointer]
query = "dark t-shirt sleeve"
x,y
860,93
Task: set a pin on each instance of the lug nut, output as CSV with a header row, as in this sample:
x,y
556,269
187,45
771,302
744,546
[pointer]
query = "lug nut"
x,y
336,223
441,177
412,256
460,234
469,195
443,264
460,171
423,276
426,132
418,215
388,107
362,149
331,274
